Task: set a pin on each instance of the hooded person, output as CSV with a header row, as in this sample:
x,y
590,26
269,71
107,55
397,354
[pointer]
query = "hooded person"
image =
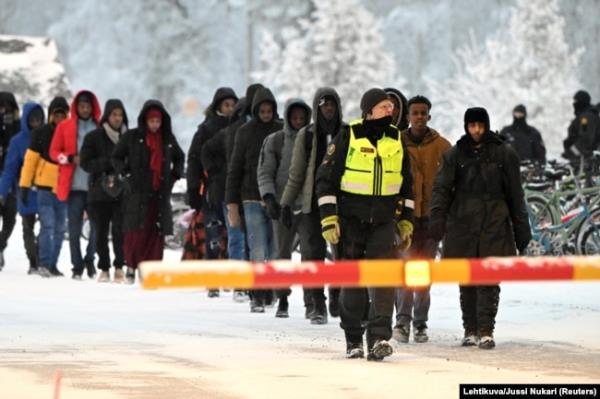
x,y
9,121
272,173
9,126
217,117
400,113
524,138
583,136
40,172
151,161
241,187
105,194
33,118
214,157
478,208
73,180
309,149
360,184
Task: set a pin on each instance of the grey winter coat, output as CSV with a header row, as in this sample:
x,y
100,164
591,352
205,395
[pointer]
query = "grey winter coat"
x,y
276,155
301,177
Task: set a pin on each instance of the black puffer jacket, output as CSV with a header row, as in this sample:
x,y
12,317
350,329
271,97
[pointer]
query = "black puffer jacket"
x,y
214,158
206,130
242,184
478,195
131,158
96,151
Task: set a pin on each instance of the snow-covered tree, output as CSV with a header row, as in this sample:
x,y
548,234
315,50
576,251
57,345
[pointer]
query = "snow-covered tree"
x,y
341,45
528,62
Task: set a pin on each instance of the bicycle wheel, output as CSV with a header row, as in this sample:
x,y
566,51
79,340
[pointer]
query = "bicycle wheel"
x,y
540,211
588,234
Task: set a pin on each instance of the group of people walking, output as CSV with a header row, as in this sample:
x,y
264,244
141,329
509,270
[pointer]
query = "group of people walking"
x,y
82,163
385,185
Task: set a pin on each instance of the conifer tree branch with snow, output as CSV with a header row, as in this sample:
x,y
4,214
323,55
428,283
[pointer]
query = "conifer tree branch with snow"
x,y
341,45
529,62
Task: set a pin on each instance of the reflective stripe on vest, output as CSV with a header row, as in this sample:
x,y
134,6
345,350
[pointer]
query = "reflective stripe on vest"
x,y
373,170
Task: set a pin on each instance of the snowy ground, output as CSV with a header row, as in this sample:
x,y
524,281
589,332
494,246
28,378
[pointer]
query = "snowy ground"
x,y
116,341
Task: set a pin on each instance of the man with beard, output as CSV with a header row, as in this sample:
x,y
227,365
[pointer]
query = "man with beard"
x,y
359,186
478,207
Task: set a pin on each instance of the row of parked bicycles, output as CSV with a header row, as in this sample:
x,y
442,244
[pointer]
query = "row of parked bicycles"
x,y
563,200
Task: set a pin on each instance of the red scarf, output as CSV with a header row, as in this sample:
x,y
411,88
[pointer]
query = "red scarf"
x,y
155,145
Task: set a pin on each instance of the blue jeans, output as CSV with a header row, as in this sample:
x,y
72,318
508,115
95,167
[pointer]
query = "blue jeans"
x,y
412,300
236,240
259,232
53,215
77,205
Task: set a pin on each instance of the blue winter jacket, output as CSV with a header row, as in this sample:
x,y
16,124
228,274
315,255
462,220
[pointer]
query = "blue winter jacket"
x,y
14,161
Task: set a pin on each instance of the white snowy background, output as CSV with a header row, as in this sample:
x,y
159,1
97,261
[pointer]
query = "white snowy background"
x,y
181,50
117,341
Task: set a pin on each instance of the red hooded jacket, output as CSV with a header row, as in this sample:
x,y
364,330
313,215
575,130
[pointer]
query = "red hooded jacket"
x,y
64,142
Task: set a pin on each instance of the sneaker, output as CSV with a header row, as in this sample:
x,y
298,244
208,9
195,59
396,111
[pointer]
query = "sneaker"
x,y
308,310
119,277
282,308
240,296
76,276
319,315
421,335
213,293
33,270
380,349
54,272
401,333
91,270
256,307
130,275
104,277
486,340
44,272
470,338
354,350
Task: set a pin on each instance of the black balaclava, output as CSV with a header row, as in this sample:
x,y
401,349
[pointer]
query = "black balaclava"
x,y
520,122
581,101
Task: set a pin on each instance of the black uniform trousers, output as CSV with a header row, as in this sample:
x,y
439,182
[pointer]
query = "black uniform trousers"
x,y
363,240
8,213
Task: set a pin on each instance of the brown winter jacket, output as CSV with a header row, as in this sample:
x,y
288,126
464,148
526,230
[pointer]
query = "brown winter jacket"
x,y
425,160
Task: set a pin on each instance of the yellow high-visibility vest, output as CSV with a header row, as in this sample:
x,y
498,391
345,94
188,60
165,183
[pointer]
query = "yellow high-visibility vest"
x,y
373,170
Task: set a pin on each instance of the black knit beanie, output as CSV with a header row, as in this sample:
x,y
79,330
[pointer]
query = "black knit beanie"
x,y
477,114
371,98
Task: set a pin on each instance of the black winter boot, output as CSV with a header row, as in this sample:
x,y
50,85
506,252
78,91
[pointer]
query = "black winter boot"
x,y
282,308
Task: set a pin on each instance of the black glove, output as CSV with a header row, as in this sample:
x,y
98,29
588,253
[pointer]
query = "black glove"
x,y
286,217
24,196
273,208
194,198
437,230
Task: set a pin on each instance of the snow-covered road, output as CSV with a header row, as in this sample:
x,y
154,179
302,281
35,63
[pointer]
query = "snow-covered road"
x,y
118,341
